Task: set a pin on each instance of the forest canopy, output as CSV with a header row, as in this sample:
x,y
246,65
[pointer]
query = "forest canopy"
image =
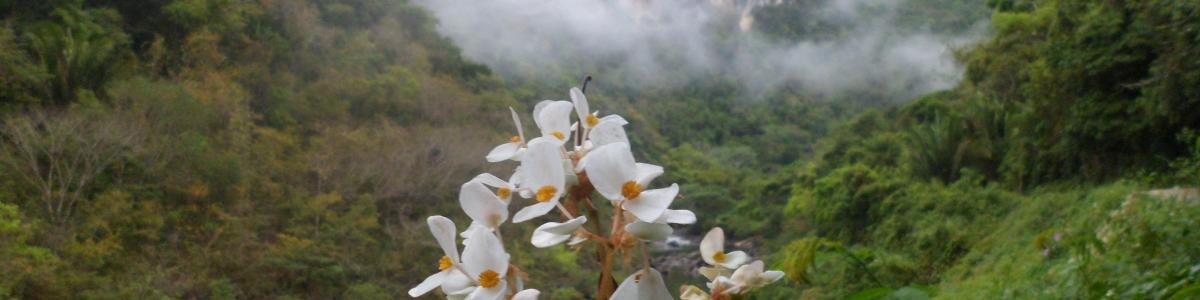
x,y
225,149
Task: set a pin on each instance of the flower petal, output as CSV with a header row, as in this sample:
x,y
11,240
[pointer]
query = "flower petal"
x,y
576,240
615,119
653,286
609,167
455,281
553,233
646,284
608,131
543,239
467,234
517,122
770,277
554,116
431,282
628,288
734,259
647,173
728,286
581,105
515,179
494,293
492,181
542,166
459,294
748,273
537,110
713,272
484,252
482,205
652,203
533,211
691,292
713,243
649,231
674,216
564,228
503,152
530,294
443,231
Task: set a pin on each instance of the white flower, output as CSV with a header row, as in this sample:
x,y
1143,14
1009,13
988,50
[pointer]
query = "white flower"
x,y
610,129
448,276
486,263
504,189
484,207
646,284
751,276
576,240
461,294
691,292
677,216
600,131
552,233
616,176
723,286
515,145
530,294
542,173
586,117
649,231
553,118
712,249
659,230
713,272
458,284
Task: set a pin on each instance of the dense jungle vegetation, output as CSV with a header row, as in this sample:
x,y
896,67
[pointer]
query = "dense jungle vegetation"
x,y
222,149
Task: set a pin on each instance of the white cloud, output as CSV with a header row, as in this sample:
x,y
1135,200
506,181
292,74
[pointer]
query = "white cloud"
x,y
673,41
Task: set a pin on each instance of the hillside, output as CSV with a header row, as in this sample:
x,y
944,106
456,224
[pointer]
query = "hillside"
x,y
220,149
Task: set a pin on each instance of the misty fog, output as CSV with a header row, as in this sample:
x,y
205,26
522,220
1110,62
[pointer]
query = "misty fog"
x,y
670,42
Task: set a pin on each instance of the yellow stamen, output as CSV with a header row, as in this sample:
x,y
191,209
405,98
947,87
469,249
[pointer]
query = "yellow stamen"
x,y
559,135
546,192
445,263
489,279
719,257
514,139
592,120
631,190
503,193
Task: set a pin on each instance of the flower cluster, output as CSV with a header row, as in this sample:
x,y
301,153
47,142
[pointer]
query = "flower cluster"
x,y
729,273
561,169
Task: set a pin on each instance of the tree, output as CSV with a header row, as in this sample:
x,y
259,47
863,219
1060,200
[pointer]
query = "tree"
x,y
60,155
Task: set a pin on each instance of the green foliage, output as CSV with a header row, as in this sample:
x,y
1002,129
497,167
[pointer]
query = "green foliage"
x,y
905,293
1084,81
285,139
305,141
844,203
81,49
29,268
988,190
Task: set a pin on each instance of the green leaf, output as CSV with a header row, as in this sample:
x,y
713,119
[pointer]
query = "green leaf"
x,y
908,293
871,294
1190,292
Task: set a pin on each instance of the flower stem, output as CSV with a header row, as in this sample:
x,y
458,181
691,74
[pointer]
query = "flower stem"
x,y
564,211
645,255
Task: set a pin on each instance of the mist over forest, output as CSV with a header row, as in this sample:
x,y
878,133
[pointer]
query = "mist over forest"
x,y
745,149
818,47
